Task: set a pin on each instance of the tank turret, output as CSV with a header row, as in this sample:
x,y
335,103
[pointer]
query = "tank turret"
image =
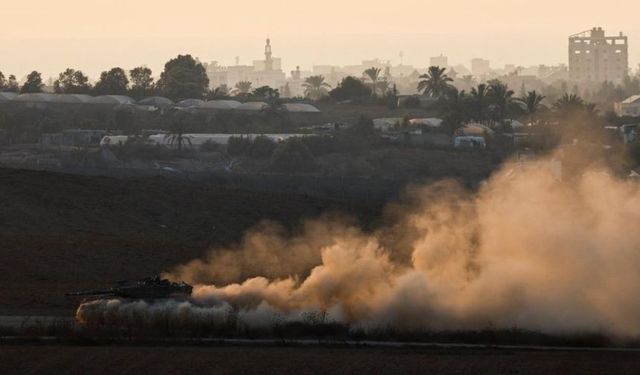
x,y
150,288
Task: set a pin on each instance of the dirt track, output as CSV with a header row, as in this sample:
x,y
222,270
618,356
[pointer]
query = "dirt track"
x,y
60,233
293,360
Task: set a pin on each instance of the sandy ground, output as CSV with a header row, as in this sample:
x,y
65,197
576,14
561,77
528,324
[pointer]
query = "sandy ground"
x,y
293,360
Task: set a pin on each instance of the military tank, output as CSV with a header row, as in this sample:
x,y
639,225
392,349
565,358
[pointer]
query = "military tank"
x,y
146,289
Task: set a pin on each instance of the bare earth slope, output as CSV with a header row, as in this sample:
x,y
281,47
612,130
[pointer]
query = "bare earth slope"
x,y
60,232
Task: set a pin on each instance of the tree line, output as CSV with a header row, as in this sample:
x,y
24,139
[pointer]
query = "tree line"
x,y
493,102
182,78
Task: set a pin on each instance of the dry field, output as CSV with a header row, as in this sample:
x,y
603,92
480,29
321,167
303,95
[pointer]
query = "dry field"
x,y
60,233
296,360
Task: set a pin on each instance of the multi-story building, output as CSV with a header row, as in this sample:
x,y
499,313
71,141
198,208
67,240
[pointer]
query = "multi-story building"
x,y
480,67
595,57
441,61
267,72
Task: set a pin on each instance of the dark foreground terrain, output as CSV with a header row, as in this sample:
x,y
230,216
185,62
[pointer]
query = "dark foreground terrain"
x,y
298,360
60,233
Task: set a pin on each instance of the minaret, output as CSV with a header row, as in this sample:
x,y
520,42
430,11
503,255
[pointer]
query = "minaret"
x,y
268,62
295,75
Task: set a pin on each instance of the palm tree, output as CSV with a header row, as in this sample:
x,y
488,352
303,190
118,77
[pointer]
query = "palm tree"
x,y
570,106
468,81
242,88
590,110
453,107
266,93
275,111
435,83
315,87
568,103
532,103
479,102
177,134
501,100
220,92
374,75
575,114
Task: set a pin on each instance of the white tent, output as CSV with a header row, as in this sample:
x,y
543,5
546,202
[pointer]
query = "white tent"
x,y
112,100
71,98
252,106
300,108
35,98
221,104
431,122
190,103
7,96
157,101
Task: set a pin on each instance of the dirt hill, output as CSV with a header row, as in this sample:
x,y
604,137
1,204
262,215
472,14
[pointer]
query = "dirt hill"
x,y
63,232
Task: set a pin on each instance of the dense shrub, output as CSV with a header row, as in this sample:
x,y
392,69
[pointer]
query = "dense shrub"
x,y
411,102
351,88
261,148
137,148
210,146
238,146
363,128
293,156
323,144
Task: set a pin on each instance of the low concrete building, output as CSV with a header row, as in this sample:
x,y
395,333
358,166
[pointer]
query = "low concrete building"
x,y
50,139
469,142
629,132
629,106
387,124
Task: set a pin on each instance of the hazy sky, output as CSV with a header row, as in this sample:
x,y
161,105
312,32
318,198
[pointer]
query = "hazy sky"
x,y
94,35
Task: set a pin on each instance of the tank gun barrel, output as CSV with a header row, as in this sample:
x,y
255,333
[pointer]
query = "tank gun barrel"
x,y
90,293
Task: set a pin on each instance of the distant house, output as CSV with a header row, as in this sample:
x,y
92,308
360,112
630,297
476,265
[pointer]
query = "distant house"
x,y
387,124
431,122
629,132
472,136
629,106
474,130
469,142
49,139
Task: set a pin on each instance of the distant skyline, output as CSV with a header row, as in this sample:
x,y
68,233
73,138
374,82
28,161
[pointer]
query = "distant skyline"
x,y
51,36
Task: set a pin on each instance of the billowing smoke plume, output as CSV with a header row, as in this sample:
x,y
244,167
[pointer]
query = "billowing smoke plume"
x,y
527,250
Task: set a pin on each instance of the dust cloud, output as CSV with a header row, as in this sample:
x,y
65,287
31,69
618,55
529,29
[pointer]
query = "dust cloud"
x,y
528,250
